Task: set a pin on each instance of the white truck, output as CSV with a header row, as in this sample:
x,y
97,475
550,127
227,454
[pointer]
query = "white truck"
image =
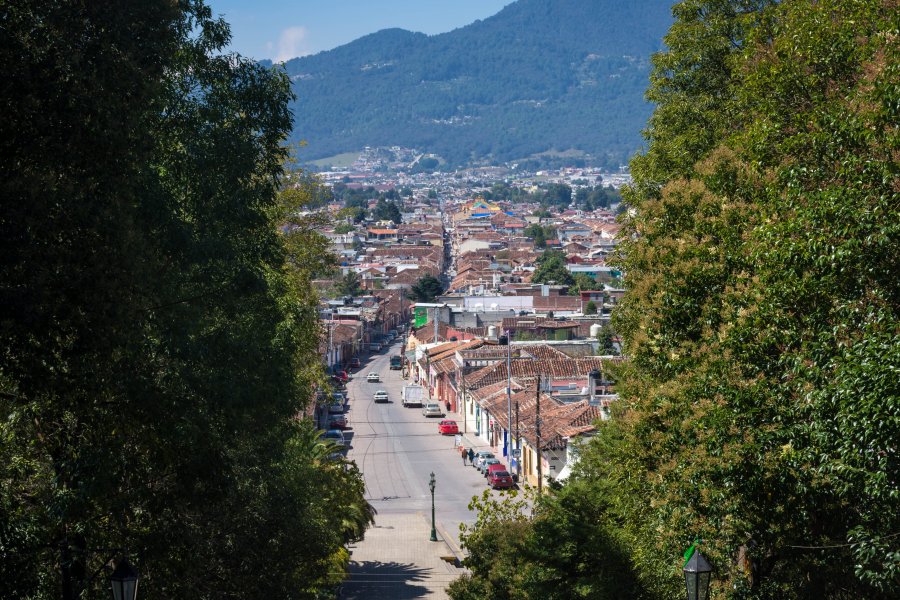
x,y
412,395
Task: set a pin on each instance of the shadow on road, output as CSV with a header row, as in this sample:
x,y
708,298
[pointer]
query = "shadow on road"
x,y
391,580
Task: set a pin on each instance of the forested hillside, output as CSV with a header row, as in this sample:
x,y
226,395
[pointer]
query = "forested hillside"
x,y
540,75
758,412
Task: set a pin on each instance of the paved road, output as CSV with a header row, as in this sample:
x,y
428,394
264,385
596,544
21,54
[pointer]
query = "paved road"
x,y
397,448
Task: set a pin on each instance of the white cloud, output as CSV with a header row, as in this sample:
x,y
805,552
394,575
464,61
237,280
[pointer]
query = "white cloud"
x,y
292,43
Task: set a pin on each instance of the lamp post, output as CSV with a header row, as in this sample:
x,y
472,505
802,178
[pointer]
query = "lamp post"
x,y
124,581
431,487
697,572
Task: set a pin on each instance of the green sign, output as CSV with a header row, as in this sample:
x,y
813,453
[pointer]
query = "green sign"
x,y
421,316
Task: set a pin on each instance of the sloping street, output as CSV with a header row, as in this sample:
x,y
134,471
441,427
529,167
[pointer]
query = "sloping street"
x,y
397,449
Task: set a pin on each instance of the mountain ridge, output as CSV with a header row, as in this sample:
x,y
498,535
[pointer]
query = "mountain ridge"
x,y
539,75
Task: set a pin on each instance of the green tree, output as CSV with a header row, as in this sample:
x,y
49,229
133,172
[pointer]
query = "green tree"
x,y
607,338
350,284
387,211
159,329
556,194
583,283
536,233
751,254
590,308
426,289
552,268
565,550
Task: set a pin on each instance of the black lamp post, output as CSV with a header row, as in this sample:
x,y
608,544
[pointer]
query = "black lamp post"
x,y
431,487
124,580
697,572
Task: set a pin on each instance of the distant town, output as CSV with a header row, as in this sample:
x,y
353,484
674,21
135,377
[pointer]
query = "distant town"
x,y
521,296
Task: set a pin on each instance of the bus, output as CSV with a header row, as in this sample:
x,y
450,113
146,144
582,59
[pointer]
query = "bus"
x,y
396,362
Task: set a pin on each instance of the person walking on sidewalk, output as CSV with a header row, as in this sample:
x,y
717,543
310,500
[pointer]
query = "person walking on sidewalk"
x,y
471,456
462,451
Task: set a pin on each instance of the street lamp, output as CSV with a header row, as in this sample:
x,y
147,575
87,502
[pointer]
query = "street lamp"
x,y
124,580
697,572
431,487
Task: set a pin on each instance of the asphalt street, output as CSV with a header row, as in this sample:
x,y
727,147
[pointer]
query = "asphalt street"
x,y
398,448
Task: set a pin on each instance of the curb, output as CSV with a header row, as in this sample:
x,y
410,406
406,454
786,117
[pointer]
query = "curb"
x,y
451,545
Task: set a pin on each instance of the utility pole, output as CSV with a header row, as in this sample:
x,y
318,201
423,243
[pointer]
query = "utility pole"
x,y
508,398
464,404
518,445
537,430
435,313
331,343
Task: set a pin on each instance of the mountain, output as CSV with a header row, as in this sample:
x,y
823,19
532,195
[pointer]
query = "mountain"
x,y
539,76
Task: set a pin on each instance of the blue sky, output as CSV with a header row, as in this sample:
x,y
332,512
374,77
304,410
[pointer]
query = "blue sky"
x,y
281,29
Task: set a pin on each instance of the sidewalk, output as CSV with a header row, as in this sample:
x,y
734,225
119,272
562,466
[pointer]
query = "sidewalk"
x,y
398,561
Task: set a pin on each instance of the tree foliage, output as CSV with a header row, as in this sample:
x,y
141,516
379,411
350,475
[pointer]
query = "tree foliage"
x,y
426,289
758,407
350,284
386,210
562,551
552,269
159,328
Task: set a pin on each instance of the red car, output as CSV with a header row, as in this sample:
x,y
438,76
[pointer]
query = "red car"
x,y
337,422
494,468
500,480
448,427
342,376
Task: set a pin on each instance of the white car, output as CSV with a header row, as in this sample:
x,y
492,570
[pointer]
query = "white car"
x,y
381,396
432,409
373,378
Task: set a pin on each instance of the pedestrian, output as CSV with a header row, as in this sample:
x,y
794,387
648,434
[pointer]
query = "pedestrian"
x,y
462,451
471,456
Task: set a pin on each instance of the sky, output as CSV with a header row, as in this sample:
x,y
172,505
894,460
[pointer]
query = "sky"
x,y
284,29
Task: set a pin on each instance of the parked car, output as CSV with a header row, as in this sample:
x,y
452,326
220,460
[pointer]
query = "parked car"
x,y
494,467
381,396
501,480
336,408
448,427
481,455
354,363
342,376
432,409
337,422
373,378
486,463
335,435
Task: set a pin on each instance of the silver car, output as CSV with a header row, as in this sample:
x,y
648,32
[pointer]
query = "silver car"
x,y
335,435
432,409
481,456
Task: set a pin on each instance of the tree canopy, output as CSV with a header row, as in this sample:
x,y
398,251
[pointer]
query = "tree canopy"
x,y
159,328
386,210
426,289
350,284
552,269
760,317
